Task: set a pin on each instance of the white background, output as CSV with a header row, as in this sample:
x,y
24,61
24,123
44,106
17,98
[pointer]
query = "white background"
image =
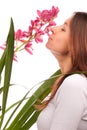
x,y
31,69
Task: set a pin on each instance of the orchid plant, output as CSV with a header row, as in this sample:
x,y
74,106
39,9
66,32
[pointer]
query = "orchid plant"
x,y
24,40
18,41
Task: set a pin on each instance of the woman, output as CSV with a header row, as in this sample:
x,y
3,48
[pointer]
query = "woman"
x,y
66,109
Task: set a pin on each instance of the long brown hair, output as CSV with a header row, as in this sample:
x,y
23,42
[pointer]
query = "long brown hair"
x,y
78,30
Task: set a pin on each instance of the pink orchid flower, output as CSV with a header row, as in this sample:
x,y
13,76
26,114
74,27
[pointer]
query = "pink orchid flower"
x,y
39,27
48,15
28,48
38,35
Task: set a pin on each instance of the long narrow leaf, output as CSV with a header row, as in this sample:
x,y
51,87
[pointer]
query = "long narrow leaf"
x,y
31,121
12,106
2,61
8,67
20,102
15,125
1,89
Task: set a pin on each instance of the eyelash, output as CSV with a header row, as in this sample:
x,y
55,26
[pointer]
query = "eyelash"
x,y
63,29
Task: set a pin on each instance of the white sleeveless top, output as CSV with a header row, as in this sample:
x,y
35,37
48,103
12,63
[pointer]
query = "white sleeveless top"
x,y
68,108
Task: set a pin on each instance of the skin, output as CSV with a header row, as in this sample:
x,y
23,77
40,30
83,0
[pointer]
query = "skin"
x,y
59,44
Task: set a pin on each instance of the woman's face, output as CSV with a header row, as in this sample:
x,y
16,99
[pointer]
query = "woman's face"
x,y
59,41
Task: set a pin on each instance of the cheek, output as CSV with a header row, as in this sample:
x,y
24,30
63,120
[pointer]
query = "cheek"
x,y
62,44
59,44
53,43
63,47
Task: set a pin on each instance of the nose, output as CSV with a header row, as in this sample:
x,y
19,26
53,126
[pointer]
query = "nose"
x,y
55,29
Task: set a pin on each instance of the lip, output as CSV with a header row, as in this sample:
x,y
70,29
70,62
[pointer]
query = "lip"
x,y
50,38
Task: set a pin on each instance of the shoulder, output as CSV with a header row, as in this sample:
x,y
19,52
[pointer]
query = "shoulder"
x,y
77,80
74,85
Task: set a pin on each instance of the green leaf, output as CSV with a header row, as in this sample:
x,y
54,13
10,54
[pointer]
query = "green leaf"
x,y
1,89
20,102
31,121
40,93
13,105
8,67
2,61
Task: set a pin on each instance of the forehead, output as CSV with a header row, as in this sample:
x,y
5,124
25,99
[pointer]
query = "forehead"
x,y
67,21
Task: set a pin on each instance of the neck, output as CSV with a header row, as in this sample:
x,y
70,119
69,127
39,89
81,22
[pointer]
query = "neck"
x,y
64,62
65,65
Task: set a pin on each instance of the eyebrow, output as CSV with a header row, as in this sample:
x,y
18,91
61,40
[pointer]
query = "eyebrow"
x,y
65,23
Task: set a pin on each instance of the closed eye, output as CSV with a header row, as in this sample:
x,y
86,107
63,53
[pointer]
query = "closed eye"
x,y
63,29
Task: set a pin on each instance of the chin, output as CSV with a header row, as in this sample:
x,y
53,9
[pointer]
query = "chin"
x,y
47,45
